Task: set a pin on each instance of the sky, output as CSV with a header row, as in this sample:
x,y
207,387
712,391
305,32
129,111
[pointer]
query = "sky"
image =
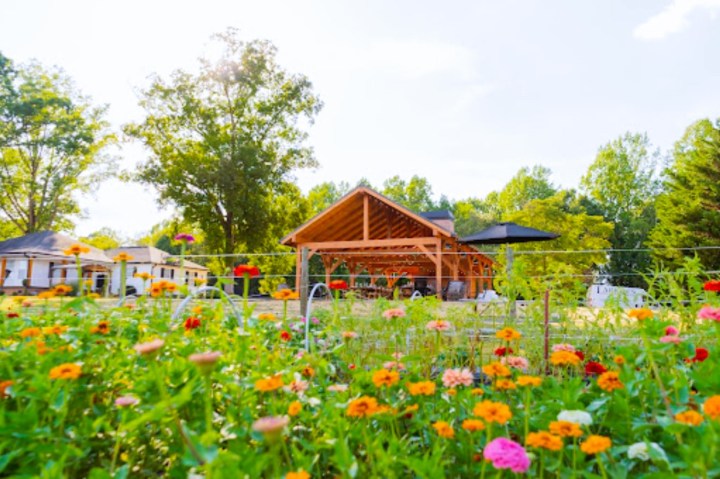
x,y
464,93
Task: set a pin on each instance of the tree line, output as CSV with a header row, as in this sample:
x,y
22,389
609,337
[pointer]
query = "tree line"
x,y
224,141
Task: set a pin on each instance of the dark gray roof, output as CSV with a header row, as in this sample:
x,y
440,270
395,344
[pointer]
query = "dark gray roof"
x,y
437,215
150,254
49,243
503,233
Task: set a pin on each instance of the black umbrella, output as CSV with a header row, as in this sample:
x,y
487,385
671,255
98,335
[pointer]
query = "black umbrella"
x,y
507,233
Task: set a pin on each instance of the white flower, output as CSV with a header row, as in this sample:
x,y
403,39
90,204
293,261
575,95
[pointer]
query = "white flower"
x,y
578,417
314,402
640,450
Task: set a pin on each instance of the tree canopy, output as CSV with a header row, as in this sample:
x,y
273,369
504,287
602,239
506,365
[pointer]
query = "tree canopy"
x,y
688,211
224,142
622,185
51,140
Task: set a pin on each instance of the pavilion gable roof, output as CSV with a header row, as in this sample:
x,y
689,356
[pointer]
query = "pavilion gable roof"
x,y
344,221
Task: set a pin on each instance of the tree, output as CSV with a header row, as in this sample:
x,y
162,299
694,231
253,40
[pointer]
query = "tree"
x,y
104,238
415,195
688,211
51,140
622,185
325,194
579,232
471,216
528,184
225,141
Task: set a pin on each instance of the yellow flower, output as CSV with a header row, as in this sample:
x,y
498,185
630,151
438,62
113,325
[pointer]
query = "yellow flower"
x,y
544,440
565,429
508,334
267,317
362,407
496,369
56,329
472,425
689,417
505,384
609,381
712,407
144,276
297,475
451,392
66,371
294,408
269,384
640,314
595,444
562,358
385,378
532,381
76,250
422,388
46,295
62,289
477,391
286,294
123,257
444,429
493,411
619,360
103,327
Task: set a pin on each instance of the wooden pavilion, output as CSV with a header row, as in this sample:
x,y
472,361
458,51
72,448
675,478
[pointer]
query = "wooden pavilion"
x,y
369,232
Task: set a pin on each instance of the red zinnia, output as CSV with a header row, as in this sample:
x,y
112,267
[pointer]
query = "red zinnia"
x,y
246,269
593,367
338,284
503,351
191,323
701,354
712,285
580,354
13,315
285,336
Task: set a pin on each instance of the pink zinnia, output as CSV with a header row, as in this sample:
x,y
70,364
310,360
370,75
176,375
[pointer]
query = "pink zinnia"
x,y
149,348
125,401
516,362
671,339
338,388
270,424
438,325
298,386
394,365
507,454
672,331
457,377
393,313
708,312
564,347
397,355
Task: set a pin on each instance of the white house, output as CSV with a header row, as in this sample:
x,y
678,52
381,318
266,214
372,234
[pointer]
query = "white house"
x,y
600,294
157,263
37,262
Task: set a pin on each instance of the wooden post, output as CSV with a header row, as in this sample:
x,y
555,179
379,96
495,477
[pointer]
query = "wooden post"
x,y
366,217
438,269
547,331
304,281
28,275
3,268
298,269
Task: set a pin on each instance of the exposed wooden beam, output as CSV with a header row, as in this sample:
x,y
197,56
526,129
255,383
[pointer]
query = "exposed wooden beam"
x,y
373,243
366,217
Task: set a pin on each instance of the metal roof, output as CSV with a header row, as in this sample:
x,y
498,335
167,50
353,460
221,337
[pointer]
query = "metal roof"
x,y
508,232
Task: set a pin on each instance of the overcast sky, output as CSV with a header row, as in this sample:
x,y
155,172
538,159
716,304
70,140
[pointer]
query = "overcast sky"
x,y
464,93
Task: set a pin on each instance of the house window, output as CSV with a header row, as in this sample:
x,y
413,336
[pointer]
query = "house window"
x,y
162,272
172,273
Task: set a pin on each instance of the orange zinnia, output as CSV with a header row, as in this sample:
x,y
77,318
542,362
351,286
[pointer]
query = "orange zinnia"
x,y
385,378
362,407
595,444
422,388
66,371
565,429
493,411
609,381
689,417
444,429
562,358
269,384
472,425
508,334
712,407
532,381
544,440
496,369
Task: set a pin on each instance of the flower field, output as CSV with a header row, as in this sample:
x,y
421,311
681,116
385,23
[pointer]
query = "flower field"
x,y
405,390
